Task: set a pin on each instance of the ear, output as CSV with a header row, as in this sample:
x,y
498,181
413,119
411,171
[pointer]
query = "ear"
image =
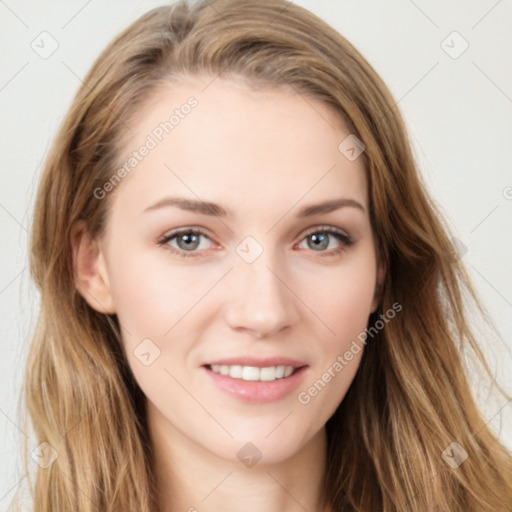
x,y
89,269
381,275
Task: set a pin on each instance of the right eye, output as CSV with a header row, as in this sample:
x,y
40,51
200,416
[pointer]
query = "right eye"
x,y
188,240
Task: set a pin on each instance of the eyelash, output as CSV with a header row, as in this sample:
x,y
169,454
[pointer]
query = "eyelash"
x,y
346,240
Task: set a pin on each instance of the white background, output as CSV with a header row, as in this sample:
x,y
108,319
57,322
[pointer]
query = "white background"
x,y
458,111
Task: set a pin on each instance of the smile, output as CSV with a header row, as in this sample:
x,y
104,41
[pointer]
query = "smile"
x,y
253,373
256,381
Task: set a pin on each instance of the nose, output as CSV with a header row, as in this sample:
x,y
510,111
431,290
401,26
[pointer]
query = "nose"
x,y
262,301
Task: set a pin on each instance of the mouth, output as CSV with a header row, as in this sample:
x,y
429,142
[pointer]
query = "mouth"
x,y
256,381
253,373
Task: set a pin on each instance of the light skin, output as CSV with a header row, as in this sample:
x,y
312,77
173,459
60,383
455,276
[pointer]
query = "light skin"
x,y
263,155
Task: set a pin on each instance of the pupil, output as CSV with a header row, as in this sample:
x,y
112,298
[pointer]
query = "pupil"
x,y
317,237
188,238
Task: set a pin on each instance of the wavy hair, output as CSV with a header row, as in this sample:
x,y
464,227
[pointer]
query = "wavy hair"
x,y
411,397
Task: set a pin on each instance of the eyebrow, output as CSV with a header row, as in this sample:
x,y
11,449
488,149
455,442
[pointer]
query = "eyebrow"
x,y
209,208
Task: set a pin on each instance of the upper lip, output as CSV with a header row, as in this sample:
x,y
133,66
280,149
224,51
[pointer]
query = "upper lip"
x,y
257,362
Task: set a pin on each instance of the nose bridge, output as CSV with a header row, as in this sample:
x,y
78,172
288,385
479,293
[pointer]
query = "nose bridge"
x,y
262,302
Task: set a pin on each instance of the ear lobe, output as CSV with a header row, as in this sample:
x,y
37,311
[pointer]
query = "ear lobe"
x,y
89,269
381,275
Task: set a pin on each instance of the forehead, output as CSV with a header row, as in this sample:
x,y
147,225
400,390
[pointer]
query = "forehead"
x,y
223,141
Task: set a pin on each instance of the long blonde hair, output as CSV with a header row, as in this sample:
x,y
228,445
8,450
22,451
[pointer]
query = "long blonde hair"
x,y
410,399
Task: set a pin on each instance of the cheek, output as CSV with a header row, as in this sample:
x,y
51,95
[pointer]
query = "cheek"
x,y
150,295
344,301
344,306
151,298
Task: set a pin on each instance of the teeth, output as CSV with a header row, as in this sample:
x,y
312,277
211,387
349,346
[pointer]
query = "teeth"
x,y
268,374
250,373
253,373
235,372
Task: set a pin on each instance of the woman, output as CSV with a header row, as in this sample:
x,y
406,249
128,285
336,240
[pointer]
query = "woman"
x,y
307,355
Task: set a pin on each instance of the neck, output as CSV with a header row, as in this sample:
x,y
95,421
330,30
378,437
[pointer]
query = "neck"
x,y
191,478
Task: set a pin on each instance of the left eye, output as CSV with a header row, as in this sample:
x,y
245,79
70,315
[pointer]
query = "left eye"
x,y
188,241
320,239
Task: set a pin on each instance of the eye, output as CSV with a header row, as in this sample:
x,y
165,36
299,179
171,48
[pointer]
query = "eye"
x,y
188,241
320,238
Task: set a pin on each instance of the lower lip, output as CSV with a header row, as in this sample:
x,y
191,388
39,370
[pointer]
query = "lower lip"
x,y
257,392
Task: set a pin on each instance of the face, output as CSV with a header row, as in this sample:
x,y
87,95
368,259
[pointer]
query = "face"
x,y
231,312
